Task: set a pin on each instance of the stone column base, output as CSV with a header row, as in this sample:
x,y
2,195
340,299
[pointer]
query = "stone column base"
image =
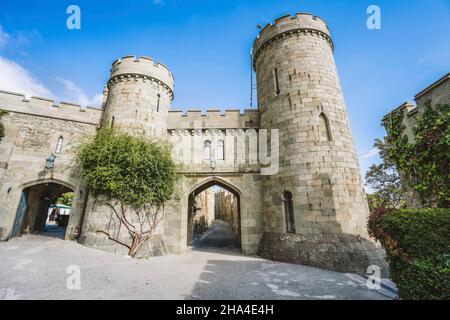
x,y
337,252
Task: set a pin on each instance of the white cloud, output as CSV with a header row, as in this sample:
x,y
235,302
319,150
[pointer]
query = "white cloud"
x,y
18,41
4,37
371,154
424,58
73,93
159,2
14,77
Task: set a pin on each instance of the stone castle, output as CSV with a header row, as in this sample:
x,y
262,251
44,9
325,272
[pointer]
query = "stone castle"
x,y
436,93
310,210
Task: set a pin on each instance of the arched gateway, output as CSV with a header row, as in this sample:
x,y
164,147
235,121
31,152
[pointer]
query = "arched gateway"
x,y
35,214
209,202
291,163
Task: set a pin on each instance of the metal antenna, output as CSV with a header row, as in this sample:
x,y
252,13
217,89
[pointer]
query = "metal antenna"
x,y
251,78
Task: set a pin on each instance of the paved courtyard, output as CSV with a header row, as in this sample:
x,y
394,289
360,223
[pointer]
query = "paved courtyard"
x,y
36,267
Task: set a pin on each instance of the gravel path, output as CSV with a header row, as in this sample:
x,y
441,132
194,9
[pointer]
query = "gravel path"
x,y
36,267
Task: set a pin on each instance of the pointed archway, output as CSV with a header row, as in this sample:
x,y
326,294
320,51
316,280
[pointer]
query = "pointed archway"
x,y
39,211
224,229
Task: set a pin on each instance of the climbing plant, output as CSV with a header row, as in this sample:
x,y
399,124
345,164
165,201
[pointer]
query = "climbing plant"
x,y
423,160
136,175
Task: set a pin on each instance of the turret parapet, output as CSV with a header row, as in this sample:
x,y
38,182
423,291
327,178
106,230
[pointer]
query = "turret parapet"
x,y
213,119
288,24
38,106
145,67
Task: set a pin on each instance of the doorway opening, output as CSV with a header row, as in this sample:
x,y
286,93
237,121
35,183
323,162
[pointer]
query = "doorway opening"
x,y
43,209
214,217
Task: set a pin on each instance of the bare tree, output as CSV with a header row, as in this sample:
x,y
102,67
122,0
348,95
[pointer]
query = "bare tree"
x,y
140,223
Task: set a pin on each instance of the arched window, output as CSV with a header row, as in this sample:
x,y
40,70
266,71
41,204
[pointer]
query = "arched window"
x,y
276,81
207,150
324,128
289,211
59,145
157,103
220,150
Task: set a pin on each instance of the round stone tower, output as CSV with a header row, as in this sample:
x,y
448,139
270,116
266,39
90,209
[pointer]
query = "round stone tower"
x,y
140,92
314,208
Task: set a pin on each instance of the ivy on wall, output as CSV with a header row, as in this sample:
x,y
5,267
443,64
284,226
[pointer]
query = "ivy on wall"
x,y
424,161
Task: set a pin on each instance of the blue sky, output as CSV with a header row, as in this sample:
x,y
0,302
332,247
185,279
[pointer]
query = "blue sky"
x,y
206,44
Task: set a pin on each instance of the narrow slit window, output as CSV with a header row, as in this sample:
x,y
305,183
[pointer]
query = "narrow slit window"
x,y
59,145
324,128
112,122
277,83
289,211
220,150
207,150
157,103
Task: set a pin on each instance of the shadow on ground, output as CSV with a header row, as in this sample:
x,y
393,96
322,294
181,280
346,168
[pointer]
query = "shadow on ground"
x,y
266,280
53,232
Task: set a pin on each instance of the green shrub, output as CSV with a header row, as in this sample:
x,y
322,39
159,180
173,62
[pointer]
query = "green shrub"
x,y
131,169
136,175
417,243
422,233
425,280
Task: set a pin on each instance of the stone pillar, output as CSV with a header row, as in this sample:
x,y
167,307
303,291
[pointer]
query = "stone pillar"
x,y
139,95
299,94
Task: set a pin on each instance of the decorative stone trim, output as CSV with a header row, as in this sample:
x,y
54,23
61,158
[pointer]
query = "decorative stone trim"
x,y
127,77
292,32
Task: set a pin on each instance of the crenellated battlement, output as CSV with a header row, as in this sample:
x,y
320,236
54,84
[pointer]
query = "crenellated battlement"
x,y
145,67
301,22
43,107
213,119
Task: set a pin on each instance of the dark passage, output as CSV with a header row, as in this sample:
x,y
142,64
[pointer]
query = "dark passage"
x,y
219,236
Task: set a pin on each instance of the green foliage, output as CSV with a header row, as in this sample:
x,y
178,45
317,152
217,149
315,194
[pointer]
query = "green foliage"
x,y
374,201
425,280
130,169
423,161
417,243
385,180
2,127
65,199
423,233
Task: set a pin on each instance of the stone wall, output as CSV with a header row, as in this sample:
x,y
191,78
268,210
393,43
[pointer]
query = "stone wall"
x,y
204,211
227,209
33,128
436,93
240,150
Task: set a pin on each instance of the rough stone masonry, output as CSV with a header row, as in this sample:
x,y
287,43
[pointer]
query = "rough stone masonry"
x,y
312,210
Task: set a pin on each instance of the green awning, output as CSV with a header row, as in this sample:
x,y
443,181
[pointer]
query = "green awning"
x,y
60,206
